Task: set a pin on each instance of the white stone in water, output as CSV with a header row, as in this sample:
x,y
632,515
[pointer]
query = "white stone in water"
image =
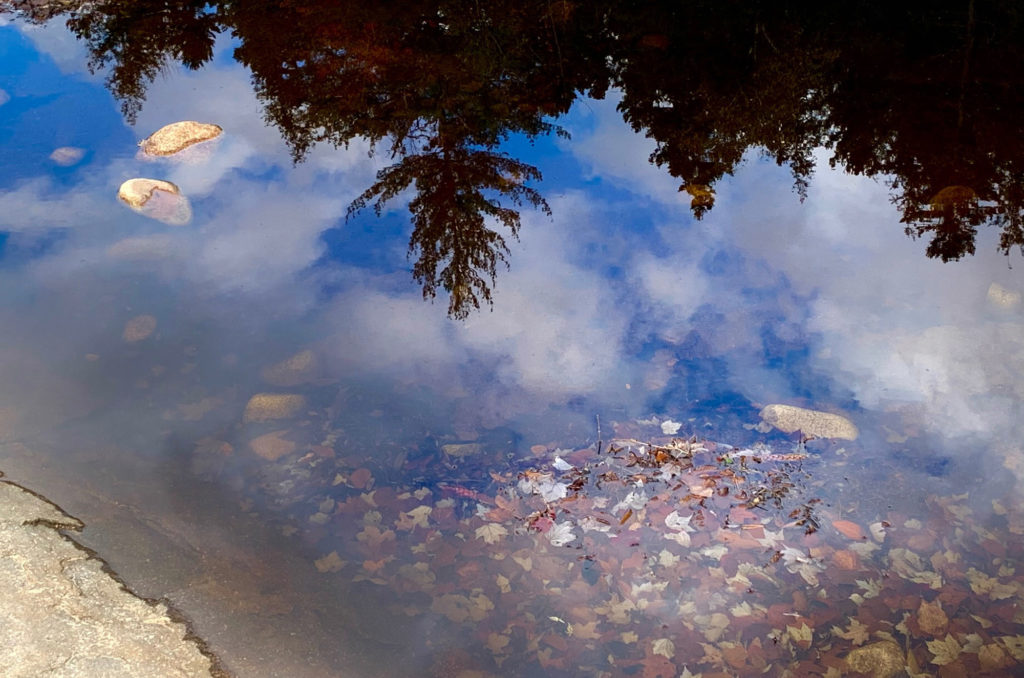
x,y
788,419
156,199
178,136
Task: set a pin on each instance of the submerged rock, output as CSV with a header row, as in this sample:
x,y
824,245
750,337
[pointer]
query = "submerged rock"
x,y
266,406
883,659
298,369
462,449
156,199
178,136
138,328
272,446
788,419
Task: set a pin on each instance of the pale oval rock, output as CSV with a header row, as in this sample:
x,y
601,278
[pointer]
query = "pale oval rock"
x,y
462,449
883,659
137,192
298,369
267,406
272,446
788,419
178,136
66,156
138,328
156,199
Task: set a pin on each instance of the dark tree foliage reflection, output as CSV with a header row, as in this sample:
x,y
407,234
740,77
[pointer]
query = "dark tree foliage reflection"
x,y
926,98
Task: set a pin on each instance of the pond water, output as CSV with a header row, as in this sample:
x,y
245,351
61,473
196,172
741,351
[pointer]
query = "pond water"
x,y
340,455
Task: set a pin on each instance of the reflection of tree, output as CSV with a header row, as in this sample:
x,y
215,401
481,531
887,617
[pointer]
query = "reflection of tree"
x,y
449,210
137,39
930,99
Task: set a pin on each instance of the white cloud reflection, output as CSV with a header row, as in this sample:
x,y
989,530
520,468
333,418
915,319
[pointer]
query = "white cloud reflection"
x,y
884,322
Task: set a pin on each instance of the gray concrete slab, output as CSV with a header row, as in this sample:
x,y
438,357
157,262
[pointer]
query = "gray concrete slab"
x,y
64,614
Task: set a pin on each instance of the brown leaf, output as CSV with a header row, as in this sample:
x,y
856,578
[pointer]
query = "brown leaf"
x,y
360,478
932,619
849,529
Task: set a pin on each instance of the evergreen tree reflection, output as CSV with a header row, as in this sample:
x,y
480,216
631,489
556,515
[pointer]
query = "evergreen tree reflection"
x,y
928,99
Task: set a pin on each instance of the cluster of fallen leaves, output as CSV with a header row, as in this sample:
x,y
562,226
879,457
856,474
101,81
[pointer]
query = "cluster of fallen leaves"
x,y
671,558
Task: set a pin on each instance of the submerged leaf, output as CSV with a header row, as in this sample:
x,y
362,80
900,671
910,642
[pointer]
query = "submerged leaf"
x,y
491,533
946,651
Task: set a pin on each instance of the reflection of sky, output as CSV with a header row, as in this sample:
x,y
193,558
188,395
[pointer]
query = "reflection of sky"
x,y
620,298
619,271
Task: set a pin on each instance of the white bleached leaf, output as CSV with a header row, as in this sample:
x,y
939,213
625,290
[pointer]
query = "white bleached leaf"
x,y
561,534
714,552
674,521
562,465
545,485
771,539
681,538
670,428
635,500
591,524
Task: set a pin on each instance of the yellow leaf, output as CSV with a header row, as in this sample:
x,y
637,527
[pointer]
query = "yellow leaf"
x,y
491,532
857,633
1015,644
329,563
497,642
586,631
801,635
946,651
665,647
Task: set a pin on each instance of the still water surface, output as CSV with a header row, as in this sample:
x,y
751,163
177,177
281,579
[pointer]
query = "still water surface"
x,y
259,417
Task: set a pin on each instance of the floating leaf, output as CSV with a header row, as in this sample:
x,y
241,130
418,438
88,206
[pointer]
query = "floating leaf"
x,y
562,465
561,534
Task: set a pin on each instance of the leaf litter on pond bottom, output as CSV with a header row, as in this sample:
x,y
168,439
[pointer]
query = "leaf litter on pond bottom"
x,y
498,560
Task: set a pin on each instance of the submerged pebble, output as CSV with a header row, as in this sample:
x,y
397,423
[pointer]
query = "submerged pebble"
x,y
178,136
883,659
298,369
157,199
138,328
266,406
272,446
788,419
